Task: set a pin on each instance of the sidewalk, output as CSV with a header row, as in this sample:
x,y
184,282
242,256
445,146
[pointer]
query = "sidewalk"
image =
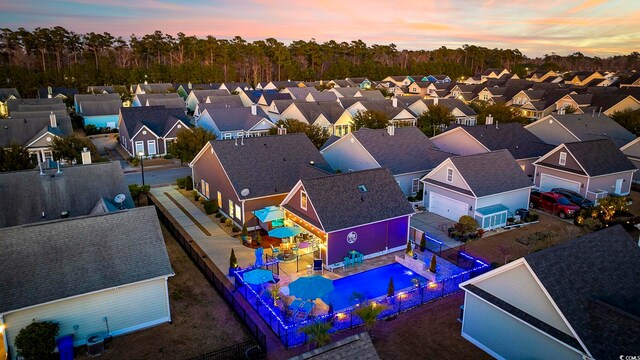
x,y
208,235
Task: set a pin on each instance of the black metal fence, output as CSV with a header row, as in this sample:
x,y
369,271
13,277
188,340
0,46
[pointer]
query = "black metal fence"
x,y
256,347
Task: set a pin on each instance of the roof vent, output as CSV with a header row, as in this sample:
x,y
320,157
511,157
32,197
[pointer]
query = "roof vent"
x,y
64,214
312,163
362,188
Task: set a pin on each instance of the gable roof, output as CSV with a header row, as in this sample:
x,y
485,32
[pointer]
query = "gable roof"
x,y
43,92
35,105
202,95
312,110
596,289
324,96
452,104
346,91
372,94
267,165
98,108
479,172
520,142
142,98
96,89
340,204
6,93
408,150
76,191
24,130
588,127
235,119
358,345
156,118
169,103
59,259
156,88
599,157
270,97
300,92
223,101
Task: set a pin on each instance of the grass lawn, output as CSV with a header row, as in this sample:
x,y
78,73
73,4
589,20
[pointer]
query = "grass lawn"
x,y
202,322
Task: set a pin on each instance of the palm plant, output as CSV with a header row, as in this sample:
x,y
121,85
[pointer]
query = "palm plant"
x,y
274,292
369,313
318,333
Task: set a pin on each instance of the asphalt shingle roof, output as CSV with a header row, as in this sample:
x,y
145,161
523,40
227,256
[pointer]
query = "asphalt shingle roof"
x,y
239,118
35,105
157,118
479,172
594,282
21,130
221,102
599,157
408,150
588,127
340,204
5,93
269,165
59,259
358,346
76,191
202,95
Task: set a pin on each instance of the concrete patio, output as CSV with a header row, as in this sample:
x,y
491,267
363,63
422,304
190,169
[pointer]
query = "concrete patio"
x,y
435,226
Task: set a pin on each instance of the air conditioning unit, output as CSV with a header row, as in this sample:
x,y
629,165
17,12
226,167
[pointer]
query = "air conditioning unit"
x,y
95,345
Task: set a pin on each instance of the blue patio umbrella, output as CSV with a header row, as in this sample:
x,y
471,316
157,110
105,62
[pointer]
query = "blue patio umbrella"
x,y
269,213
311,287
285,232
258,254
257,276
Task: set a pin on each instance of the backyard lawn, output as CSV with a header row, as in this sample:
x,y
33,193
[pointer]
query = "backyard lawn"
x,y
202,322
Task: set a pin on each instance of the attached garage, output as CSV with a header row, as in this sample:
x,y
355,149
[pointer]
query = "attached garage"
x,y
447,207
548,182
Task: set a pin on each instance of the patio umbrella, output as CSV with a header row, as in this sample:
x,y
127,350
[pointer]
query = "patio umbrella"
x,y
311,287
257,276
269,213
285,232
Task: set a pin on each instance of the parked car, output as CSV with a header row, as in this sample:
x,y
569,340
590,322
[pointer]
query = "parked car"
x,y
554,203
574,197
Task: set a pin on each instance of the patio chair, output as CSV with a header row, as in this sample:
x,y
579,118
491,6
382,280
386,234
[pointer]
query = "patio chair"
x,y
304,311
274,251
295,306
317,265
346,262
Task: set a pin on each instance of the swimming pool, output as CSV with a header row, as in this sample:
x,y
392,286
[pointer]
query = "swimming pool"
x,y
371,284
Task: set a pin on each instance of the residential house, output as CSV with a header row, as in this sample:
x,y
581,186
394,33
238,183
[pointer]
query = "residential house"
x,y
78,190
266,99
372,95
57,92
438,79
406,152
35,133
278,106
345,91
244,176
299,93
100,110
494,73
158,88
233,123
343,349
7,94
632,151
556,129
196,97
341,83
542,75
469,185
462,112
361,210
576,300
321,114
463,92
279,85
594,168
361,82
85,274
20,107
524,146
148,130
583,78
169,103
609,104
219,102
398,80
631,81
397,114
421,88
185,89
537,109
321,96
101,89
142,99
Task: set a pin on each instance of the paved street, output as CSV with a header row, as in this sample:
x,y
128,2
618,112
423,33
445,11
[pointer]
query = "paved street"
x,y
157,177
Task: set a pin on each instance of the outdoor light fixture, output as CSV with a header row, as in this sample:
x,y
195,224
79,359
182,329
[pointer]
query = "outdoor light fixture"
x,y
1,328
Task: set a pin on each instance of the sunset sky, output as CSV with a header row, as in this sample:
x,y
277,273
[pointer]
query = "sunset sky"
x,y
594,27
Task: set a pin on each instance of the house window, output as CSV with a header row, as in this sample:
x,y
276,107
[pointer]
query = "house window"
x,y
303,200
206,190
563,158
219,200
151,147
202,185
238,213
230,208
415,185
485,97
139,147
449,175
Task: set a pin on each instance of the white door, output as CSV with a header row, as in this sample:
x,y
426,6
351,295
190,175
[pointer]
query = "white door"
x,y
548,182
446,206
618,189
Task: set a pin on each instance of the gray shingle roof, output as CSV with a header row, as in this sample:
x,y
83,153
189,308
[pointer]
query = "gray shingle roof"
x,y
100,89
452,104
236,119
358,346
520,142
599,157
300,92
221,102
76,191
5,93
312,110
479,172
21,130
43,92
202,95
59,259
588,127
142,98
156,88
341,205
171,103
408,150
97,108
594,282
157,118
324,96
270,97
15,104
269,165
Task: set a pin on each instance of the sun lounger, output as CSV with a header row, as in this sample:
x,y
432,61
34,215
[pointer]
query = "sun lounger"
x,y
304,311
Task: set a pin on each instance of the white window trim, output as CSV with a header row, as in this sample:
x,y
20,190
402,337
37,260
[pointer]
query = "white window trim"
x,y
141,144
449,174
303,195
238,212
155,147
563,158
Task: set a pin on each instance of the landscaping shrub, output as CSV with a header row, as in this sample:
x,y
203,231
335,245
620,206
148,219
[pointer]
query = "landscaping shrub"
x,y
180,182
409,250
135,161
91,130
391,290
258,239
168,156
218,215
202,200
188,183
228,222
466,224
196,196
592,224
233,261
433,264
211,207
37,340
235,229
423,243
245,232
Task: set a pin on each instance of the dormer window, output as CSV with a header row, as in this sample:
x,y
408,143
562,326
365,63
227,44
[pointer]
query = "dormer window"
x,y
563,158
449,175
303,200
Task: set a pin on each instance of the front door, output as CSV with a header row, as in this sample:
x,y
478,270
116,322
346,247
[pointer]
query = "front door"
x,y
618,188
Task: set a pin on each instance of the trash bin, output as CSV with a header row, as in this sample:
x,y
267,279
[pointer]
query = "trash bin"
x,y
524,213
65,347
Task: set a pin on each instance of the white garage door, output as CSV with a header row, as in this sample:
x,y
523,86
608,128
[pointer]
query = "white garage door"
x,y
548,182
446,206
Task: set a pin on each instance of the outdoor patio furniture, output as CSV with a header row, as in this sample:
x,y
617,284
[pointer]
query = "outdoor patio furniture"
x,y
317,265
274,250
303,311
346,262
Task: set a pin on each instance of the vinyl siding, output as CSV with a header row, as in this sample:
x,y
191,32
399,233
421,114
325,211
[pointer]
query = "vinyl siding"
x,y
518,287
570,164
513,200
627,104
126,308
406,181
101,121
448,193
608,182
205,121
294,202
459,142
441,175
208,167
345,154
507,337
292,112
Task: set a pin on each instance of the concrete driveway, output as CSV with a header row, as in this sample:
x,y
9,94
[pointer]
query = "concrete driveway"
x,y
435,226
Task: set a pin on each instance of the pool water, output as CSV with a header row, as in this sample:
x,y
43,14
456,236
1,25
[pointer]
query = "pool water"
x,y
370,284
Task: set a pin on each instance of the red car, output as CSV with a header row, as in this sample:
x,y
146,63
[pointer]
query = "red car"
x,y
554,203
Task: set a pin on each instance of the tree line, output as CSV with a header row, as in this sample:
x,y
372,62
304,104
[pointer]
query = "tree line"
x,y
60,57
